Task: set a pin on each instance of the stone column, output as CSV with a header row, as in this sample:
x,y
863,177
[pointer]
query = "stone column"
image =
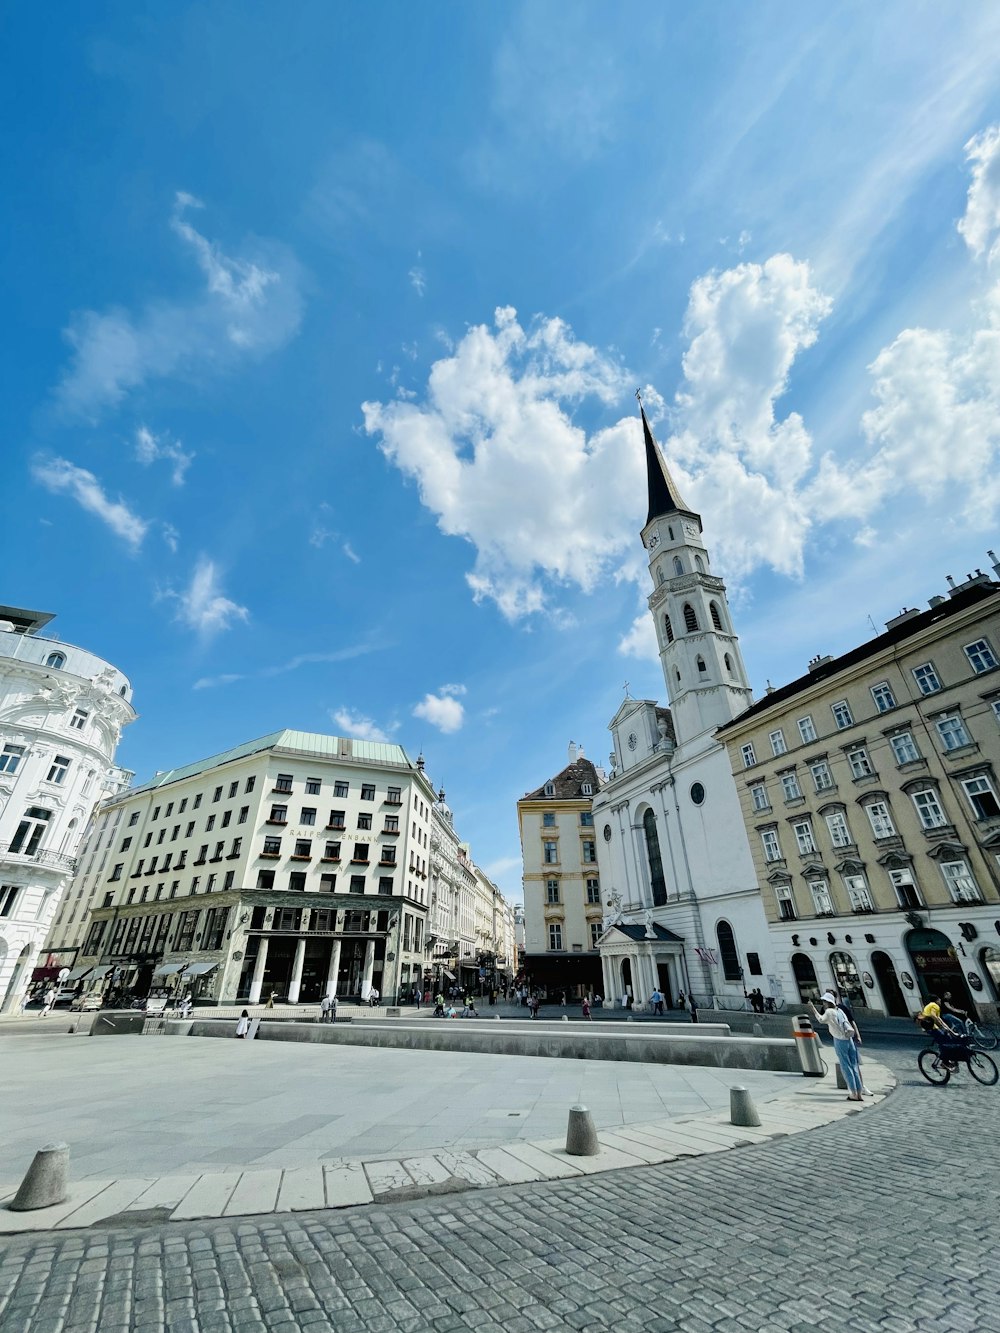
x,y
607,967
369,968
332,974
295,985
257,981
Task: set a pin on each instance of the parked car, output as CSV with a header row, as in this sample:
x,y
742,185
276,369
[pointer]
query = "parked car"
x,y
87,1003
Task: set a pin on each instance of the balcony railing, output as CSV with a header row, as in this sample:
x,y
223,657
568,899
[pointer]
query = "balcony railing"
x,y
50,860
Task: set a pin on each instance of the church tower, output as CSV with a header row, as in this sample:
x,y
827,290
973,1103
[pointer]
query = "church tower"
x,y
706,679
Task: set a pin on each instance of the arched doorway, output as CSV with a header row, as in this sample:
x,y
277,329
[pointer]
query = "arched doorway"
x,y
14,985
625,971
989,959
657,882
892,992
805,977
848,981
936,964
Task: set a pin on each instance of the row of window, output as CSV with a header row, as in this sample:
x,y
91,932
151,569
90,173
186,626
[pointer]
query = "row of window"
x,y
266,879
556,936
331,851
588,851
11,756
593,888
958,879
549,819
979,791
586,789
691,625
153,935
285,783
981,658
296,882
952,733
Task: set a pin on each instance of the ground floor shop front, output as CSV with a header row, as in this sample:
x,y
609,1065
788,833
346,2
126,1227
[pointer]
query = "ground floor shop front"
x,y
891,963
252,945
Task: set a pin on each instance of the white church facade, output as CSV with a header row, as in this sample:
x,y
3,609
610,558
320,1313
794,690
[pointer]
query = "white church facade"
x,y
683,912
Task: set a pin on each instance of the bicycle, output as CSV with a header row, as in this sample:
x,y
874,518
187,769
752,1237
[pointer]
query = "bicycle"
x,y
937,1067
983,1039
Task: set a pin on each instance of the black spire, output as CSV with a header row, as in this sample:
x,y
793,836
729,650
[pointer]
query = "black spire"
x,y
664,497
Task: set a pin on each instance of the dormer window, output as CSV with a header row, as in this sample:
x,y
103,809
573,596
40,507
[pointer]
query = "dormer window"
x,y
588,789
57,660
550,789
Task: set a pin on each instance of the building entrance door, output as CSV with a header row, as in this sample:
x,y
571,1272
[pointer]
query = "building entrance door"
x,y
892,992
627,993
936,963
805,977
663,980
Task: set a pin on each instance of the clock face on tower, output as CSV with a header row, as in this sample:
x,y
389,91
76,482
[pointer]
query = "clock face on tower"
x,y
633,740
690,530
654,541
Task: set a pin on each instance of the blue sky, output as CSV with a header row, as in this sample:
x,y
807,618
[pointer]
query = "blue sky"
x,y
324,325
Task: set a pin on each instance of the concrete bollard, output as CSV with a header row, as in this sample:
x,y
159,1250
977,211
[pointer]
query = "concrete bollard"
x,y
581,1136
630,1019
565,1018
841,1081
758,1031
741,1108
46,1180
497,1017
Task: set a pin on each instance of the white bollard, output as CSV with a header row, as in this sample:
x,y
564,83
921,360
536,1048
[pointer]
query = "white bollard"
x,y
581,1136
565,1018
46,1181
741,1108
758,1031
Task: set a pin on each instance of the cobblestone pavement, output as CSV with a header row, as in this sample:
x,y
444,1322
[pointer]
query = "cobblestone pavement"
x,y
883,1222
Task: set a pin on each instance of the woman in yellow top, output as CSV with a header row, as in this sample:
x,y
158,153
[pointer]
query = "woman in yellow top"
x,y
947,1039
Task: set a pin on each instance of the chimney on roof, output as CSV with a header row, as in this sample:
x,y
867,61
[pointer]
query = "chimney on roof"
x,y
904,615
996,563
820,661
937,600
572,751
950,582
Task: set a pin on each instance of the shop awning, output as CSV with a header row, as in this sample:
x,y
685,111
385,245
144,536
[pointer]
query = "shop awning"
x,y
100,972
78,973
200,969
168,969
45,973
449,975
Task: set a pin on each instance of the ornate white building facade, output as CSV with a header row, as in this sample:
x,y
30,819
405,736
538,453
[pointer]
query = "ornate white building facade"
x,y
682,909
62,711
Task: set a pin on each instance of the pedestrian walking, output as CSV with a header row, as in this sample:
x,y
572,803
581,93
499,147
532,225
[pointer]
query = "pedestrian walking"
x,y
47,1002
694,1009
656,1001
243,1026
846,1039
585,1007
324,1009
533,1006
416,997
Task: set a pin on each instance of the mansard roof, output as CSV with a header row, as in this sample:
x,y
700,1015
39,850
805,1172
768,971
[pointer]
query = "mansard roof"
x,y
569,783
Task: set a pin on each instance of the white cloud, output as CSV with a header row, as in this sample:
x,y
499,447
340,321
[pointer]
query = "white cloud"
x,y
203,607
982,211
418,280
249,306
497,457
61,476
351,554
293,664
171,536
357,725
442,710
150,447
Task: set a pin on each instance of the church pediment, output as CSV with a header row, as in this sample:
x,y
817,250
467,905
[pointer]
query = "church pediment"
x,y
627,708
622,933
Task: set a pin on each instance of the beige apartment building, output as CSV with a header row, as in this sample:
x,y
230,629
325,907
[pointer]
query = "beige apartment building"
x,y
562,890
870,789
292,865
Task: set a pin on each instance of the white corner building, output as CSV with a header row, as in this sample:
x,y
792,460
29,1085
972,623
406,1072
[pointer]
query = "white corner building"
x,y
62,711
683,912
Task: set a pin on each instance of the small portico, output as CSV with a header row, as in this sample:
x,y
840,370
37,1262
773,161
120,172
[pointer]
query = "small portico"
x,y
642,958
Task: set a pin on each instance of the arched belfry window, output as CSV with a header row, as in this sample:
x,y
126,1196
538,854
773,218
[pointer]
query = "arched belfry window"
x,y
660,576
677,673
716,618
668,629
657,882
729,955
678,565
729,664
702,668
56,660
699,564
690,618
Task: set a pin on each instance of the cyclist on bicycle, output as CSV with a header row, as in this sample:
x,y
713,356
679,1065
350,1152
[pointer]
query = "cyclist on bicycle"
x,y
947,1039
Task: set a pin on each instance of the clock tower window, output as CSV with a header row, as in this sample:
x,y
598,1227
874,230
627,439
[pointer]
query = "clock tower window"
x,y
668,629
702,668
716,618
690,618
678,565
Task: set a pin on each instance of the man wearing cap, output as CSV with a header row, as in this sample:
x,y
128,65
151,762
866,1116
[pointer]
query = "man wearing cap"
x,y
846,1039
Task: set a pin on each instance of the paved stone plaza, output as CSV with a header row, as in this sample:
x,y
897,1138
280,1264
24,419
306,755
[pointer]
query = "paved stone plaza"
x,y
884,1221
161,1105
